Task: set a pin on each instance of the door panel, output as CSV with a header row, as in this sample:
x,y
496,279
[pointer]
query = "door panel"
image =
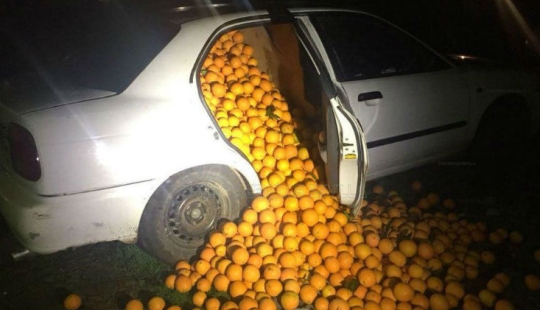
x,y
412,104
426,111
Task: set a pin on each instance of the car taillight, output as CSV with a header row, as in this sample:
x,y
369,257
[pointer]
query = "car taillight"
x,y
24,154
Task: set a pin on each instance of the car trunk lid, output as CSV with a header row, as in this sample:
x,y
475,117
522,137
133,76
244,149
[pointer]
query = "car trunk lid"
x,y
29,93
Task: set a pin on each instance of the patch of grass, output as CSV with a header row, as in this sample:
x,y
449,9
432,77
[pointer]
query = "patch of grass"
x,y
130,259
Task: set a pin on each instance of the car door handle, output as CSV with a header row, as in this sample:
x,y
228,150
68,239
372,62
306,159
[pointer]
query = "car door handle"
x,y
370,96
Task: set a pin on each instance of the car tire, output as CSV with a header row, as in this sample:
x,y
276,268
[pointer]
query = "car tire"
x,y
502,130
185,208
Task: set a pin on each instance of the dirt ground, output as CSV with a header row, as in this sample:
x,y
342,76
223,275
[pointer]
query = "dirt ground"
x,y
106,275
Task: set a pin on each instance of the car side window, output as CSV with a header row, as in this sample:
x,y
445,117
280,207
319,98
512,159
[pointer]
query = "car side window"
x,y
363,47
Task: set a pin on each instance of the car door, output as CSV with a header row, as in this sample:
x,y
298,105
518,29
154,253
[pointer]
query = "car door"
x,y
412,104
344,149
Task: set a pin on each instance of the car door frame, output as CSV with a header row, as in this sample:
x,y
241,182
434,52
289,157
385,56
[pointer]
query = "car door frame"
x,y
341,112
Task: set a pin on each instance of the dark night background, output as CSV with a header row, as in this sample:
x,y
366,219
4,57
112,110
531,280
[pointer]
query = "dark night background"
x,y
486,28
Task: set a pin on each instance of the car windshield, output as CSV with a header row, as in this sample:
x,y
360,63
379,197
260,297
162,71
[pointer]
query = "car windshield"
x,y
99,46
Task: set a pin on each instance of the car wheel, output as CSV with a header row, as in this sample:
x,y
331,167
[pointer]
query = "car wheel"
x,y
501,132
181,213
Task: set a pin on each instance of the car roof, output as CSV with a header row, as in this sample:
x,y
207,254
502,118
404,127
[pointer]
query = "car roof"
x,y
181,11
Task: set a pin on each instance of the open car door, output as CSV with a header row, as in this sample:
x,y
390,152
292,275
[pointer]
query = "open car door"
x,y
342,144
346,155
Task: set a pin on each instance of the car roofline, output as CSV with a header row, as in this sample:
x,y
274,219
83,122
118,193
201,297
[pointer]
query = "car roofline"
x,y
182,11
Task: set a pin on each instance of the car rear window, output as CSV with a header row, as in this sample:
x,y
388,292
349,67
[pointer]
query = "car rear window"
x,y
95,45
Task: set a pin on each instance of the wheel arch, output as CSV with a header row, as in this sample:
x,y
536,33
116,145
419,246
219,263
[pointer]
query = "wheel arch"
x,y
192,177
509,114
511,102
241,177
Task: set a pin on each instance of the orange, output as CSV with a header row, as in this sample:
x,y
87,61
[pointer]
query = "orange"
x,y
328,249
240,73
247,302
532,282
267,216
197,299
289,273
415,271
332,264
309,216
292,285
407,247
291,203
356,238
435,284
272,136
314,259
425,250
386,245
202,266
306,202
403,292
260,203
73,302
245,228
134,304
321,303
169,281
203,284
212,303
237,288
282,165
243,104
397,258
317,281
238,37
338,304
266,85
228,229
363,250
234,272
503,304
290,217
273,287
268,231
183,284
218,89
345,260
221,283
290,244
438,302
372,239
216,238
335,238
289,300
289,230
211,76
240,256
271,272
308,293
367,277
207,253
276,200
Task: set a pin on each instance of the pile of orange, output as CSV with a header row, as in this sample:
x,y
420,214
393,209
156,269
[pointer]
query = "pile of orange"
x,y
296,246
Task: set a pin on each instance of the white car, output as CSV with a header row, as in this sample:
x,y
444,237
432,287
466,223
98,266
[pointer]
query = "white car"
x,y
115,142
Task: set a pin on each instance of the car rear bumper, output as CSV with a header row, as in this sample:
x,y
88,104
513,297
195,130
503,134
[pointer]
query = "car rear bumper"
x,y
49,224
